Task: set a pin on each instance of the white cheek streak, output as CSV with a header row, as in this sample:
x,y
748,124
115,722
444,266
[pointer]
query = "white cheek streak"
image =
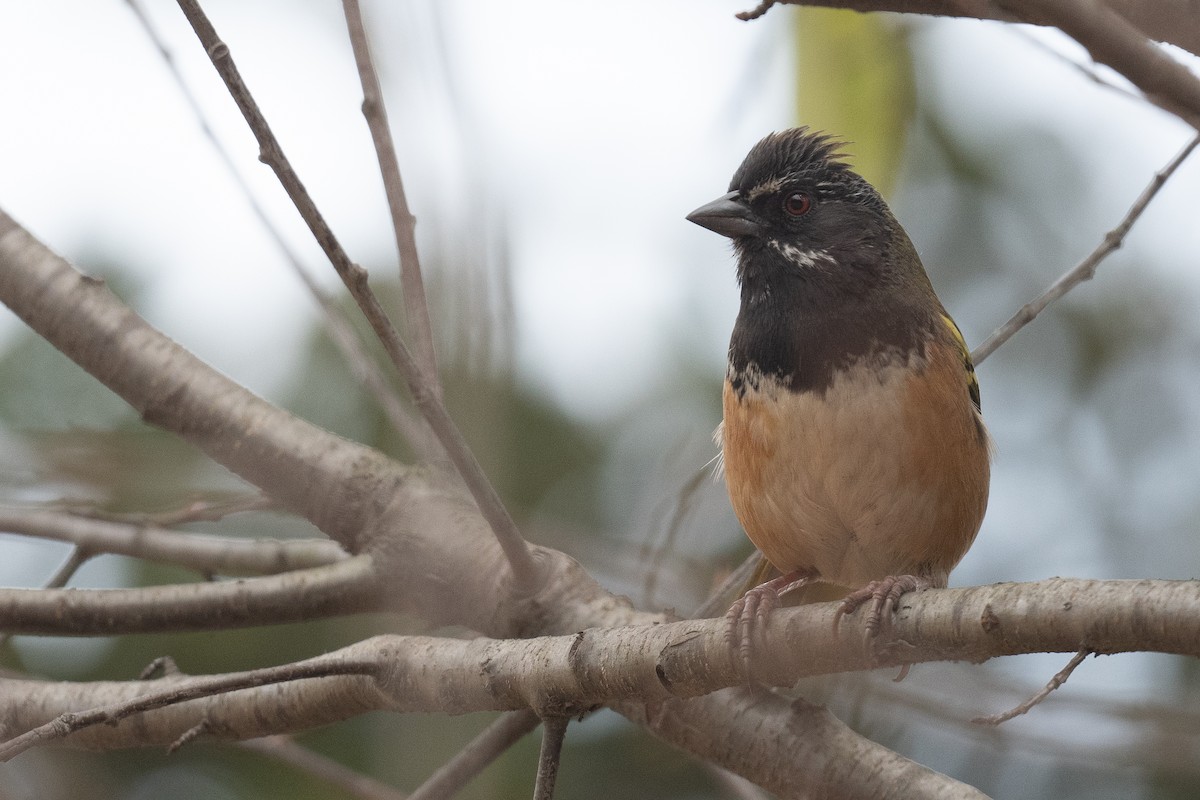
x,y
805,259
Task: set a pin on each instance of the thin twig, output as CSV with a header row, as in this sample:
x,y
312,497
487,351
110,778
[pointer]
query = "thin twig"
x,y
554,730
756,12
412,285
1088,71
526,574
195,511
224,555
294,754
1058,680
1086,268
361,365
481,751
75,559
65,724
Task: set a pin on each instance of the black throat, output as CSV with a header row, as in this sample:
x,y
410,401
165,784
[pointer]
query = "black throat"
x,y
802,328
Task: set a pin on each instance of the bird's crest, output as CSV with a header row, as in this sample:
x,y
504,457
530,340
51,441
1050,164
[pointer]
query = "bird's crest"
x,y
791,153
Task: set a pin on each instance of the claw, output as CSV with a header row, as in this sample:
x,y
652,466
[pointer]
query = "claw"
x,y
883,594
749,614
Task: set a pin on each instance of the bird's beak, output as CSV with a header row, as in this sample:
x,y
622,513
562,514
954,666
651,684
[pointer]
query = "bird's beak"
x,y
728,216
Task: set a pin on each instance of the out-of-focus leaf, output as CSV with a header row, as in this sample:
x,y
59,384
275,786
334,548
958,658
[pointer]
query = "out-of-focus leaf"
x,y
855,80
41,389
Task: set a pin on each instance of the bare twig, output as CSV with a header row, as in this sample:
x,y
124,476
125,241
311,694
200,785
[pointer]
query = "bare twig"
x,y
756,12
222,555
66,724
196,511
1086,268
420,331
161,667
75,559
287,750
1086,70
361,365
481,751
527,577
554,730
1058,680
190,735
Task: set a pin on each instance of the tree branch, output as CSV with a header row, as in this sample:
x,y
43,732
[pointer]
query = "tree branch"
x,y
1085,269
526,574
662,664
1057,681
436,551
320,766
1112,39
213,555
361,365
346,587
554,730
403,222
481,751
176,692
1171,21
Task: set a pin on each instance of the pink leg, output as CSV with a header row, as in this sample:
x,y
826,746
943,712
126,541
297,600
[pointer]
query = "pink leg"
x,y
882,594
747,616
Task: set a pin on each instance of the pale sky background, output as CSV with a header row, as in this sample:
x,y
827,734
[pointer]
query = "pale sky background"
x,y
586,131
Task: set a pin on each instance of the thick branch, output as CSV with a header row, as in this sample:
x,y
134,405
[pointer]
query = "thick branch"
x,y
1112,39
557,676
1171,21
309,470
437,552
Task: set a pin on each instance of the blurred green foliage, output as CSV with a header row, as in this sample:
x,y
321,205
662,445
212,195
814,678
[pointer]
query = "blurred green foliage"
x,y
854,79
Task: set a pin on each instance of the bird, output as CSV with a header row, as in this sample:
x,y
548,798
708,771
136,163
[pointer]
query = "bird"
x,y
854,451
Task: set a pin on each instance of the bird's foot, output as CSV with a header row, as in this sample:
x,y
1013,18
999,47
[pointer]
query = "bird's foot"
x,y
745,619
882,594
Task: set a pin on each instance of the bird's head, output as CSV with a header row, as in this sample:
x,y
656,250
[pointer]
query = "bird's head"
x,y
798,215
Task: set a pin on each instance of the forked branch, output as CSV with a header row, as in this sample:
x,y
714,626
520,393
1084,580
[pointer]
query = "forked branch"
x,y
525,570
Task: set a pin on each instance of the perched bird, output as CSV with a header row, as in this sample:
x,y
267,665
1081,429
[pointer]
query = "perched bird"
x,y
854,450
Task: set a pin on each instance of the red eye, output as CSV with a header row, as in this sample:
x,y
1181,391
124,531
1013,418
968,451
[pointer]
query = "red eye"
x,y
797,204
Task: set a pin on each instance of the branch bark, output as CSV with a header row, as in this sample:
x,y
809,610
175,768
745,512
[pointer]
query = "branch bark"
x,y
423,388
214,555
648,670
420,529
1170,21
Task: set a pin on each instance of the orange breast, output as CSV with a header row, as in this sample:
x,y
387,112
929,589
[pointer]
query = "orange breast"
x,y
885,473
